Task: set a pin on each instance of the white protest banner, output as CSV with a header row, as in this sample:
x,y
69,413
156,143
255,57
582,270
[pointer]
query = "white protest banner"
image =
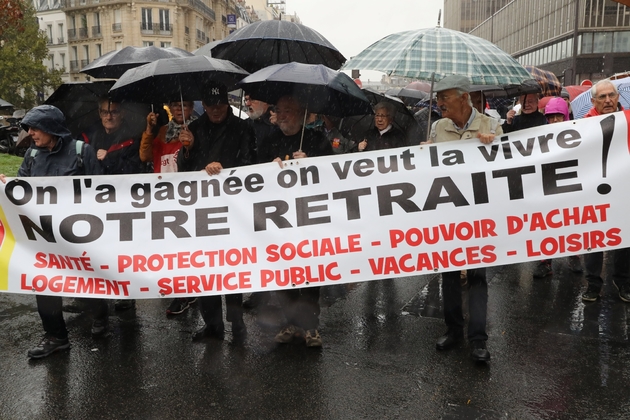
x,y
547,192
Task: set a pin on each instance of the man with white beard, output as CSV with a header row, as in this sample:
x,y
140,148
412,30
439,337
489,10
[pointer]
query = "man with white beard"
x,y
259,114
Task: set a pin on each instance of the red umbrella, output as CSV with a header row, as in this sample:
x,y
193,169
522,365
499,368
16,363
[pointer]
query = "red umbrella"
x,y
575,90
421,86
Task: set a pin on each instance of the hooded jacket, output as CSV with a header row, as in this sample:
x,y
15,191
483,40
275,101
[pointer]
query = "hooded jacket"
x,y
63,159
557,106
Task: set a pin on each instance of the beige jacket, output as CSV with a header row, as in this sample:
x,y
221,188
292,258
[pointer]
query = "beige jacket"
x,y
444,130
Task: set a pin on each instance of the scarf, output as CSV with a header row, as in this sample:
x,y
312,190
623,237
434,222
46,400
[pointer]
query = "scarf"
x,y
173,129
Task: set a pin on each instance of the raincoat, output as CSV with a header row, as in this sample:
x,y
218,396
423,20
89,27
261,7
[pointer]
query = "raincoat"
x,y
557,106
63,159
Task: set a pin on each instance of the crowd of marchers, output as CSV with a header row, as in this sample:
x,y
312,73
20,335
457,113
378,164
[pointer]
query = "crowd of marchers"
x,y
218,139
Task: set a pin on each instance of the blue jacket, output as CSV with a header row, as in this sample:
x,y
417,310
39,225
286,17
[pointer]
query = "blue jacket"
x,y
62,160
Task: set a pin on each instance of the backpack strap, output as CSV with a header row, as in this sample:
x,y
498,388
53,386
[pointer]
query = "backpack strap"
x,y
79,148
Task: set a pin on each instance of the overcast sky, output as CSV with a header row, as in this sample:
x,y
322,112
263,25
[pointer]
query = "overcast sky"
x,y
351,26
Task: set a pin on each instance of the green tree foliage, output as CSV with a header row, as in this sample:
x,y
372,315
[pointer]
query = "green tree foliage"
x,y
22,52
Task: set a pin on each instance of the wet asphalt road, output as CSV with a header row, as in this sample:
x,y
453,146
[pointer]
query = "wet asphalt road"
x,y
553,357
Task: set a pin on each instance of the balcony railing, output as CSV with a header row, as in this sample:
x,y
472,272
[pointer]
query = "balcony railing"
x,y
96,31
156,28
72,34
83,32
74,65
116,27
201,36
84,63
201,7
61,40
49,41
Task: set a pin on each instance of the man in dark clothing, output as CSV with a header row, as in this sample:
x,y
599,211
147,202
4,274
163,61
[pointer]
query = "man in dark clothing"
x,y
383,135
117,146
259,119
300,306
216,140
55,153
118,150
529,116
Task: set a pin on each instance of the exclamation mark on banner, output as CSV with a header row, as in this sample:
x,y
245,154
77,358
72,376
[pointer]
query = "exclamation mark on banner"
x,y
608,128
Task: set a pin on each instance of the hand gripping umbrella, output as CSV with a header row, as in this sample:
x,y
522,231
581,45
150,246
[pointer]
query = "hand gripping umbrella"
x,y
113,64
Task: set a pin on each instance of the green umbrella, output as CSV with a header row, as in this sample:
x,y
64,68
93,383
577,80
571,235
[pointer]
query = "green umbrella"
x,y
439,52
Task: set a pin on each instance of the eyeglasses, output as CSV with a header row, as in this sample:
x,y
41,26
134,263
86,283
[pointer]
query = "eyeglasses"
x,y
555,117
603,96
381,116
106,112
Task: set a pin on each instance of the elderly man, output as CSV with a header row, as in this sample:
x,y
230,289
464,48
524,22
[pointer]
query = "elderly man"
x,y
117,149
529,116
259,118
605,99
383,135
217,140
300,306
117,145
461,121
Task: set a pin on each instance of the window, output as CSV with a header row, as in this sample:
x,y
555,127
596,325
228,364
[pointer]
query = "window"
x,y
86,53
147,19
62,57
602,42
99,50
622,42
587,43
117,16
49,34
51,57
60,32
119,46
147,43
165,44
165,21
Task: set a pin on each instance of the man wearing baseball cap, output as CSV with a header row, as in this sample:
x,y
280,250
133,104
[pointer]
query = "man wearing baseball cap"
x,y
461,121
216,140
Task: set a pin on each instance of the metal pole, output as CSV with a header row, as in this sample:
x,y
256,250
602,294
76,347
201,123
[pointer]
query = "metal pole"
x,y
576,25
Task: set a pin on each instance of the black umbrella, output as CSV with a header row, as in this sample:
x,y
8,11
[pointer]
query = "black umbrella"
x,y
113,64
412,96
264,43
508,91
79,103
355,127
171,79
321,89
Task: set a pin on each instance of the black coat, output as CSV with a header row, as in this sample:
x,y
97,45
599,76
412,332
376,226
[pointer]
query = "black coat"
x,y
523,121
277,144
123,149
231,143
389,140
